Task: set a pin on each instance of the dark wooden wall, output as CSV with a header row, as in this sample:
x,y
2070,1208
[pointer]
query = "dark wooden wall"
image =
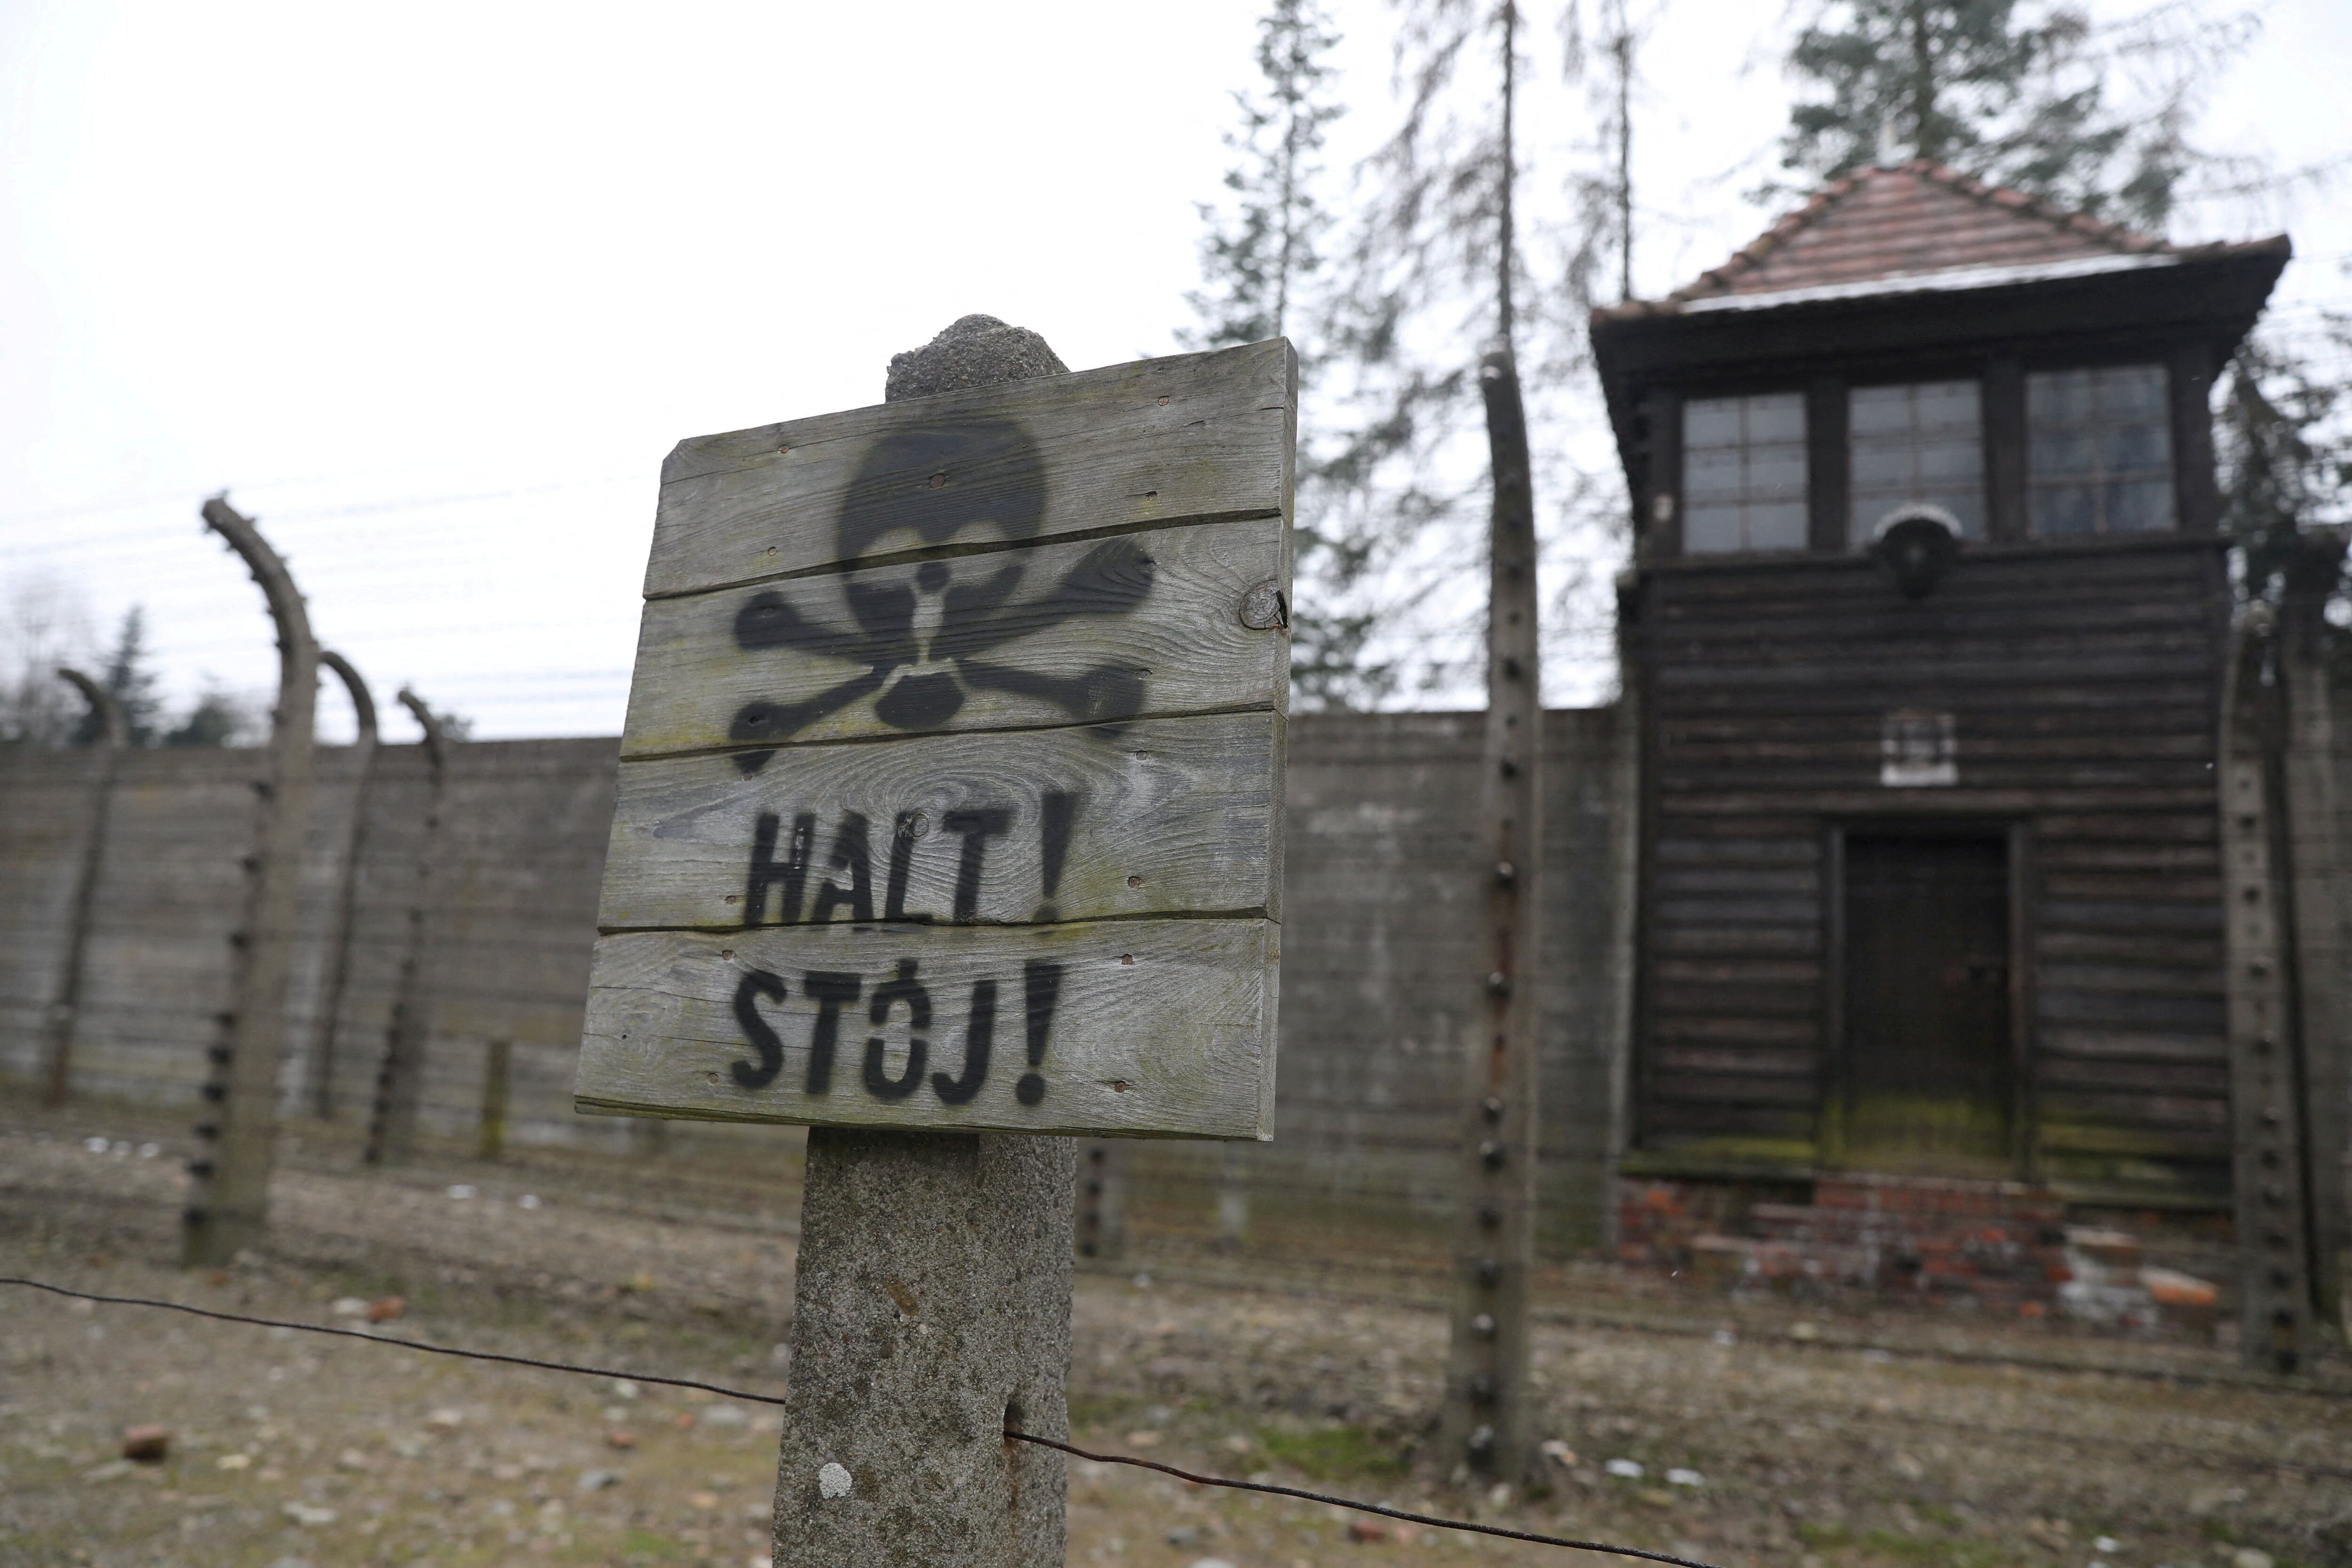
x,y
2084,686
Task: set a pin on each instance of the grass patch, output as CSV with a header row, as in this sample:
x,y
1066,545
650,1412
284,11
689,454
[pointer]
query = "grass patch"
x,y
1331,1453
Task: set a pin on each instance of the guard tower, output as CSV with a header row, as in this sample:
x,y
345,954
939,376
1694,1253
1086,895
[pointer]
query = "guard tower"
x,y
1928,633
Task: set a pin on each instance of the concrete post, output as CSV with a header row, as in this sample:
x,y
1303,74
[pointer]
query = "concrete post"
x,y
320,1081
114,734
1485,1429
400,1080
498,1063
2265,1102
1102,1199
931,1309
2315,878
228,1196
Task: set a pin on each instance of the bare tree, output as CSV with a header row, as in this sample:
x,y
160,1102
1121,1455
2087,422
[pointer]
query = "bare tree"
x,y
49,625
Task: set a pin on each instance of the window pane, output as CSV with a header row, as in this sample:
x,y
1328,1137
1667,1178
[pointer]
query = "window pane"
x,y
2134,391
2139,446
1778,417
1712,475
2140,507
1744,473
1711,530
2059,454
2059,511
1949,405
1781,526
1944,461
2059,397
2099,450
1875,408
1878,465
1968,507
1711,422
1777,473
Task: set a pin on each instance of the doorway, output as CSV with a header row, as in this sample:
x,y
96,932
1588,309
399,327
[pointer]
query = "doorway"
x,y
1925,1075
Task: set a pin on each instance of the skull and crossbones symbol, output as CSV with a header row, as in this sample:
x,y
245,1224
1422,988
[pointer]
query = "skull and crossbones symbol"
x,y
924,625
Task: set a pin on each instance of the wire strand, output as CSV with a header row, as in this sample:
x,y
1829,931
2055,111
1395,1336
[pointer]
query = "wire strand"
x,y
1382,1508
1011,1433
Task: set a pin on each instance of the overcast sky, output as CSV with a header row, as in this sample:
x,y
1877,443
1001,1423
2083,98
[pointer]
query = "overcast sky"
x,y
432,289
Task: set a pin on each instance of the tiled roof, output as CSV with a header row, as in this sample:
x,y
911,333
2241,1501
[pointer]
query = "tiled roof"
x,y
1916,220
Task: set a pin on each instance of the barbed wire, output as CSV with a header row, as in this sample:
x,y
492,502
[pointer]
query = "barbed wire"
x,y
1012,1434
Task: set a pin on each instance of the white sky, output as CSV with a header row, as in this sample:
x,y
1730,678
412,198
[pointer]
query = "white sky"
x,y
357,265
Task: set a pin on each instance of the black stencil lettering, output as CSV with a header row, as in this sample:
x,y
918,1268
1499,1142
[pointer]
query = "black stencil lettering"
x,y
850,854
1041,989
978,826
1060,810
756,1029
830,991
902,865
980,1038
906,988
788,878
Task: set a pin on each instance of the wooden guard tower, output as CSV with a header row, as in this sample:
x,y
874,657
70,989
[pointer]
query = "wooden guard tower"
x,y
1929,634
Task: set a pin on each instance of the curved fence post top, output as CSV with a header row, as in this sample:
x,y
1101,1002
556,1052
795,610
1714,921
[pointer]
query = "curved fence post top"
x,y
437,741
268,570
113,726
363,700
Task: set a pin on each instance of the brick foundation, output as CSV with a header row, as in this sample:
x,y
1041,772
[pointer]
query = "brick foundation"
x,y
1995,1247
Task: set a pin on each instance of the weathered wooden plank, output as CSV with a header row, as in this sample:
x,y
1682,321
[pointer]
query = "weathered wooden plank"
x,y
2133,1046
1740,972
1173,816
2175,1015
2138,979
1190,437
1140,626
1801,1031
1143,1027
2132,1077
1752,1060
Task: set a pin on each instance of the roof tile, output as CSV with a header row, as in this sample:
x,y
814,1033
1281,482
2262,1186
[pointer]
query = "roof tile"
x,y
1919,217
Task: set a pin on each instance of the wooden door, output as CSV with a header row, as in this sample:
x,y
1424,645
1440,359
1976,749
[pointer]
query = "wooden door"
x,y
1924,1080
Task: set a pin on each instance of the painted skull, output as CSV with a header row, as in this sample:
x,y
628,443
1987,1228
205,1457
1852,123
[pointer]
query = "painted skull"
x,y
934,508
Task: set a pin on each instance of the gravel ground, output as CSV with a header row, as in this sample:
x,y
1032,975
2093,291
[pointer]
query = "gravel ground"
x,y
1760,1437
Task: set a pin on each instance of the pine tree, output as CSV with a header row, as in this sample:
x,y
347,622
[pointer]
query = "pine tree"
x,y
2285,460
2015,93
1265,275
131,682
216,720
1263,258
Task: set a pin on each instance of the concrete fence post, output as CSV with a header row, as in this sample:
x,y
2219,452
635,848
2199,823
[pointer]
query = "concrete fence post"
x,y
2265,1111
320,1082
228,1196
2316,880
967,1234
1485,1427
113,736
1102,1199
400,1077
497,1071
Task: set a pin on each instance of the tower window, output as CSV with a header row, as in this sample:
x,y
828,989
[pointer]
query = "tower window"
x,y
1744,473
1921,443
2099,451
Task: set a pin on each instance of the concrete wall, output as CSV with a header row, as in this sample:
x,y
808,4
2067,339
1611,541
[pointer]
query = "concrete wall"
x,y
1379,964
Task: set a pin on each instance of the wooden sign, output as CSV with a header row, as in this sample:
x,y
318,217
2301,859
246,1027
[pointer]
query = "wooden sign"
x,y
950,790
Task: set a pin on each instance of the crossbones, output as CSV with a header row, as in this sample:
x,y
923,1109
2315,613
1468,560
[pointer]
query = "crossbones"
x,y
920,631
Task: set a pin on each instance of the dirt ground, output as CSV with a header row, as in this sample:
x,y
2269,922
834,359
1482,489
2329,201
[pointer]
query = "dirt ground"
x,y
1762,1433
